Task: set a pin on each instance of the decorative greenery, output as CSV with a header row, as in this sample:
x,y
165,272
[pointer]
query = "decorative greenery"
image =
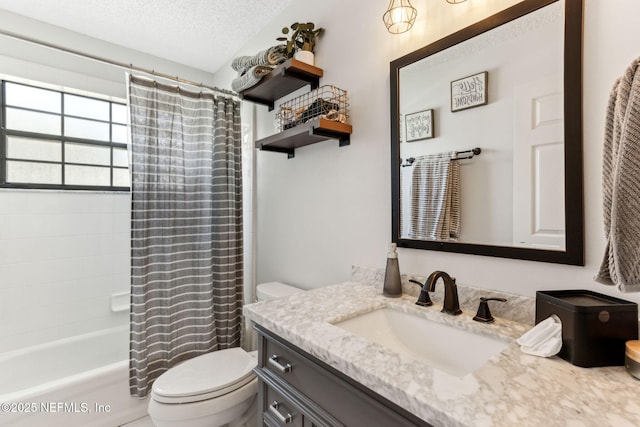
x,y
302,38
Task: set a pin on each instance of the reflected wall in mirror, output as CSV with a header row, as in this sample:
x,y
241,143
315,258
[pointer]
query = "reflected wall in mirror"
x,y
511,86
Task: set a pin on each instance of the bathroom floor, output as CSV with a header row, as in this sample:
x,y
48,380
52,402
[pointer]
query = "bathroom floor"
x,y
140,422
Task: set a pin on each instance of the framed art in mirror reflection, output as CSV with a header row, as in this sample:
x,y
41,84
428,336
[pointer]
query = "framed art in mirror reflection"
x,y
419,125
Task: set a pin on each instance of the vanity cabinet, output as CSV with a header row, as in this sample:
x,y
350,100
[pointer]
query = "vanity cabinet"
x,y
297,389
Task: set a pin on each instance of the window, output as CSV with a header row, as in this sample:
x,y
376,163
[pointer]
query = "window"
x,y
59,140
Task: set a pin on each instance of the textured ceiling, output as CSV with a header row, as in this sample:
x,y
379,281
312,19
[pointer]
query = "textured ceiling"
x,y
203,34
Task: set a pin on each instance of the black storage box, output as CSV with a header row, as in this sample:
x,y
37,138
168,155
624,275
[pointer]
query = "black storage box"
x,y
595,327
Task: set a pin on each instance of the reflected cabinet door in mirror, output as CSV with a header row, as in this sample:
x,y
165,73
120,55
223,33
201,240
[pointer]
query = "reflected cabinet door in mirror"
x,y
502,176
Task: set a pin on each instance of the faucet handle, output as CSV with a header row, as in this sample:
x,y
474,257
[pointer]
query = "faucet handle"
x,y
423,299
484,314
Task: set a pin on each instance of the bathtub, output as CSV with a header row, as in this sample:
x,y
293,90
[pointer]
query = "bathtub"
x,y
76,381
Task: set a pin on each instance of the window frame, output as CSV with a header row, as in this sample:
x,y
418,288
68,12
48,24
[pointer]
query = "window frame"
x,y
6,133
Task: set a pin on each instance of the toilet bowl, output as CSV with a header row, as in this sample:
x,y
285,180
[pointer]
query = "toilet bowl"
x,y
215,389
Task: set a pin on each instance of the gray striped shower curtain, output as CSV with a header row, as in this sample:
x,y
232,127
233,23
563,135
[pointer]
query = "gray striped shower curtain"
x,y
186,227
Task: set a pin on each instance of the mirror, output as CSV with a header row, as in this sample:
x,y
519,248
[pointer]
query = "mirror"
x,y
501,102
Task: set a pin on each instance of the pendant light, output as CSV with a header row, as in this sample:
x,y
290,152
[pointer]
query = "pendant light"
x,y
400,16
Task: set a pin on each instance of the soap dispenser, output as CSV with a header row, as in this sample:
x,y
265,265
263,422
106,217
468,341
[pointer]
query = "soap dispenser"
x,y
392,282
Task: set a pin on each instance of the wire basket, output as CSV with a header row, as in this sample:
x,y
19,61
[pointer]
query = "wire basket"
x,y
327,102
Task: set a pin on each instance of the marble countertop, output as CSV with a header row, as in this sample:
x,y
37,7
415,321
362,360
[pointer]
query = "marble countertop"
x,y
511,389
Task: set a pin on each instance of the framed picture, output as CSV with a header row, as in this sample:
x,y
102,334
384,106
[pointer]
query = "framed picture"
x,y
469,92
419,125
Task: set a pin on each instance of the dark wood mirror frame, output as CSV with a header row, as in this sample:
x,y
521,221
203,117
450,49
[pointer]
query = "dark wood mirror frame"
x,y
574,215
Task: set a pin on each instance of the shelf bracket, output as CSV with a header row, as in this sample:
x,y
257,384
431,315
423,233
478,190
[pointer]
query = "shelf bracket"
x,y
344,139
290,152
305,77
270,104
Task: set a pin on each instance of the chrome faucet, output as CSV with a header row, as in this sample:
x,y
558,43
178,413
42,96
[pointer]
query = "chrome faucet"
x,y
451,303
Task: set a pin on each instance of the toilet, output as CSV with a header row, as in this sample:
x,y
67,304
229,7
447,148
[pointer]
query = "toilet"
x,y
275,290
215,389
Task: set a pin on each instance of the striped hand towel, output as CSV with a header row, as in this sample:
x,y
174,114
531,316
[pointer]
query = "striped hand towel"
x,y
435,207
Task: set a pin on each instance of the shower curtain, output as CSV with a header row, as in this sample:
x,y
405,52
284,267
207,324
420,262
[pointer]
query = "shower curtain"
x,y
186,227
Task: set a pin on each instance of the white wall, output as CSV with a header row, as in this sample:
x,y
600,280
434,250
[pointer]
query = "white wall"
x,y
63,253
329,207
31,61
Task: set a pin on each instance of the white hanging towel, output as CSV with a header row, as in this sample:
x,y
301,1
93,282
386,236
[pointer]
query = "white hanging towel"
x,y
435,207
620,184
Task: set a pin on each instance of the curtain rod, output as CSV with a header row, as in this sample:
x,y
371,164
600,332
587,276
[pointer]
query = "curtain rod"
x,y
114,63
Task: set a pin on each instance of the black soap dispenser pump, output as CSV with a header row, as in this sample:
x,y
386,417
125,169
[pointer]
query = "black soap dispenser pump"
x,y
392,282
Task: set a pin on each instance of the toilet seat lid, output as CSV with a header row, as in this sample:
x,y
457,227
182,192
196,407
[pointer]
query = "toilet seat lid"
x,y
206,376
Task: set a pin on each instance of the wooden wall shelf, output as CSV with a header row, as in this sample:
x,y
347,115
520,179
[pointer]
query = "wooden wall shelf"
x,y
284,79
305,134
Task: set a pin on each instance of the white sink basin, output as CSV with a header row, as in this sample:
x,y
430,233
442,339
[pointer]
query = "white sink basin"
x,y
452,350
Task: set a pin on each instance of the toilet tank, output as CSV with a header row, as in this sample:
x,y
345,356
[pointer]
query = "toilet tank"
x,y
274,290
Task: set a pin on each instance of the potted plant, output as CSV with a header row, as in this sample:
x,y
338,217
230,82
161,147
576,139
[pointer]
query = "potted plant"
x,y
302,42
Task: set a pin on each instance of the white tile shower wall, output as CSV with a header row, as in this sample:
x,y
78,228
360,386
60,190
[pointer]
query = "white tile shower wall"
x,y
62,255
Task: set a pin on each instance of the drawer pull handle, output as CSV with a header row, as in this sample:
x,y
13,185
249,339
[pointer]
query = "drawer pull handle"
x,y
284,419
273,362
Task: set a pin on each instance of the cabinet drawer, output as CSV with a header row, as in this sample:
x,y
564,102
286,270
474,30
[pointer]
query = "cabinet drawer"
x,y
279,411
346,400
286,363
